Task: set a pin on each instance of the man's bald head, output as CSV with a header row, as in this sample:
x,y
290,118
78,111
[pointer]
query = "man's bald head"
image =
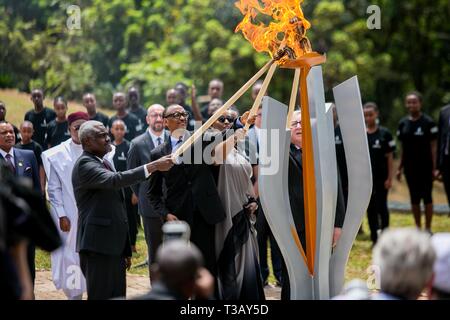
x,y
155,118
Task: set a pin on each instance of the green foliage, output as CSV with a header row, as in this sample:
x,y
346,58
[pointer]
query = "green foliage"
x,y
156,43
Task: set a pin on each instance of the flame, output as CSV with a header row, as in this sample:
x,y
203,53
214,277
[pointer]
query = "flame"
x,y
285,37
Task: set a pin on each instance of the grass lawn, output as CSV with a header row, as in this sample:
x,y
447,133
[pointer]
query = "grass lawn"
x,y
360,256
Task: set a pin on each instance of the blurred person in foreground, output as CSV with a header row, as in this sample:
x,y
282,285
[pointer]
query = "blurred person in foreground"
x,y
24,219
179,273
440,288
404,258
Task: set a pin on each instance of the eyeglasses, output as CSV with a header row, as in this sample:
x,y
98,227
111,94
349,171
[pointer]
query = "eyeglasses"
x,y
76,128
222,119
178,115
156,115
295,124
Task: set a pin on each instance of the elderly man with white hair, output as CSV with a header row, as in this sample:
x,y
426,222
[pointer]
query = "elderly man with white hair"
x,y
102,237
405,259
440,289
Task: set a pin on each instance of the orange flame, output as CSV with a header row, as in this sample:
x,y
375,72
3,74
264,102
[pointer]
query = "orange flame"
x,y
286,32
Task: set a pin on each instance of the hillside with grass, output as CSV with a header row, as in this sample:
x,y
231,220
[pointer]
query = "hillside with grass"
x,y
18,103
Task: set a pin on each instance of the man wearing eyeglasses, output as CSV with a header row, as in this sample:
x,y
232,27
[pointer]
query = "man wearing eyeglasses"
x,y
138,155
191,189
58,164
295,187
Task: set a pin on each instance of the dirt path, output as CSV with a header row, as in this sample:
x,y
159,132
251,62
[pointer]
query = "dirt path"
x,y
136,285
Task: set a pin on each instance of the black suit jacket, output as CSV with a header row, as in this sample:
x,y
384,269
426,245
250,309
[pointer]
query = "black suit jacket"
x,y
444,131
295,186
102,222
190,188
139,155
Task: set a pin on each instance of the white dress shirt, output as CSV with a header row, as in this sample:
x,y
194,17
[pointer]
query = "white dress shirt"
x,y
11,153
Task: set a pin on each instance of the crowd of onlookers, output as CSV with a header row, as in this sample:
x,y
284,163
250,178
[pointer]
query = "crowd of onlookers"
x,y
228,257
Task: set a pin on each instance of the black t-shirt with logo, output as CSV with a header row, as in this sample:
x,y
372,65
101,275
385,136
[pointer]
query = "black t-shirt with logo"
x,y
101,117
120,156
141,114
416,137
57,132
33,146
132,123
381,143
40,123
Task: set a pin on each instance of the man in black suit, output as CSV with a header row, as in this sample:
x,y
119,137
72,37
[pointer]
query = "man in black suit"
x,y
295,186
102,235
444,149
21,163
191,190
138,155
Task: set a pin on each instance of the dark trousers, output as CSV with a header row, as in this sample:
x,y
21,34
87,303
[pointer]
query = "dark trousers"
x,y
286,286
132,214
153,236
446,176
105,275
203,236
377,212
264,234
31,255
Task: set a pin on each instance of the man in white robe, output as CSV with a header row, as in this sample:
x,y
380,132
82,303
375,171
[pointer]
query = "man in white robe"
x,y
58,165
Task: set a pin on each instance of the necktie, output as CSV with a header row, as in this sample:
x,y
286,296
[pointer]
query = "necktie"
x,y
9,163
159,140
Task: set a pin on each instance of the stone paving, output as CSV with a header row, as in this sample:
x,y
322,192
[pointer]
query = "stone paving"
x,y
136,285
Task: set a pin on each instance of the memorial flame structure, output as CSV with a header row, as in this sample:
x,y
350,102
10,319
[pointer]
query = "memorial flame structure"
x,y
317,272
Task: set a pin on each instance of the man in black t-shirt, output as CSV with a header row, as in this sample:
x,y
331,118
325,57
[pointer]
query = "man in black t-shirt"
x,y
3,118
40,117
130,120
58,129
27,143
90,103
215,91
135,108
182,90
381,149
418,134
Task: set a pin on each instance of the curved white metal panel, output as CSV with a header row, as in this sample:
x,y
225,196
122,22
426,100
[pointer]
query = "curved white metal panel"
x,y
326,182
274,195
351,119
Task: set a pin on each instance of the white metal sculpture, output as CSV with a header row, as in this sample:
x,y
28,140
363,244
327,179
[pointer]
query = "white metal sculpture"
x,y
327,277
